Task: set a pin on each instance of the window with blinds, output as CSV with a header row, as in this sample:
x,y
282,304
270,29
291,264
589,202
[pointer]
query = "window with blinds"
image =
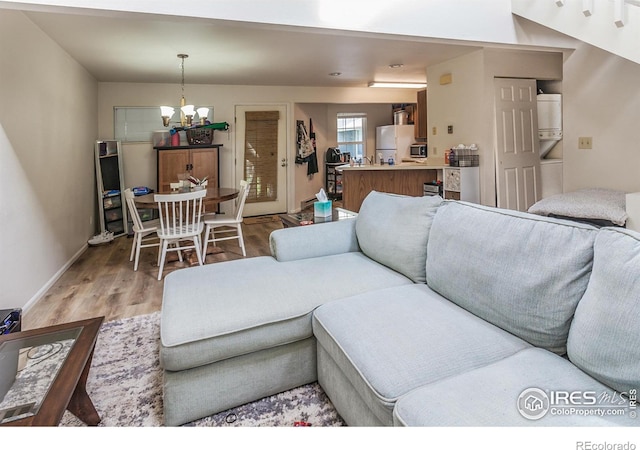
x,y
352,133
261,155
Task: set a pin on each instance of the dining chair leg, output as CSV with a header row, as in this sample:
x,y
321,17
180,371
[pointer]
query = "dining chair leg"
x,y
196,244
133,248
138,242
177,244
165,244
241,240
159,252
205,240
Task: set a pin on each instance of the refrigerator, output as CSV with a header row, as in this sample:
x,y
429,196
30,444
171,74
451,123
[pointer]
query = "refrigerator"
x,y
393,141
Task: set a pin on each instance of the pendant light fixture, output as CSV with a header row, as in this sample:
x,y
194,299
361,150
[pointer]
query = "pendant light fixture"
x,y
186,111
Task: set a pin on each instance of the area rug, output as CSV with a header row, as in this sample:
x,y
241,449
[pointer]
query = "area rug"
x,y
125,385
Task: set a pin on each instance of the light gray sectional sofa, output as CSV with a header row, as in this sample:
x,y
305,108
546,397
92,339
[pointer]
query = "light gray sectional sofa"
x,y
418,312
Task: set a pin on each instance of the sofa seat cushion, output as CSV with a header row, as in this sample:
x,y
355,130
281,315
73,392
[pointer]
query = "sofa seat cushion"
x,y
391,341
522,272
394,229
494,395
604,339
218,311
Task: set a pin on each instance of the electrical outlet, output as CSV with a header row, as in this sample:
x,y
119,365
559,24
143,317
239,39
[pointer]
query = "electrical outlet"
x,y
434,130
585,143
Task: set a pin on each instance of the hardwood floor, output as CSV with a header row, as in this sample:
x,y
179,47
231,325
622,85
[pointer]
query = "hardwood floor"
x,y
102,281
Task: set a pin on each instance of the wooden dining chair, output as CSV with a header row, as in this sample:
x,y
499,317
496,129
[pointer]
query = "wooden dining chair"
x,y
180,223
144,233
227,227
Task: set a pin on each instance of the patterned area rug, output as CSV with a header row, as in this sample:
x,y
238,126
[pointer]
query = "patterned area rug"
x,y
125,385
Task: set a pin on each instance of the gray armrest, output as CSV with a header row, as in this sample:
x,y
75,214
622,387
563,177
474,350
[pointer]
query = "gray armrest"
x,y
311,241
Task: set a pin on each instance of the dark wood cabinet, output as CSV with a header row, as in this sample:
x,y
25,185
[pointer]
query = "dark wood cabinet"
x,y
421,117
198,161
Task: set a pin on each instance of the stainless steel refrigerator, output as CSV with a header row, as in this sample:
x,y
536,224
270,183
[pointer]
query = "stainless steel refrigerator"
x,y
393,141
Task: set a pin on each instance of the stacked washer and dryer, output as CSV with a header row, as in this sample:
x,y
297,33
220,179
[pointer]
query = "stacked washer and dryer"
x,y
549,134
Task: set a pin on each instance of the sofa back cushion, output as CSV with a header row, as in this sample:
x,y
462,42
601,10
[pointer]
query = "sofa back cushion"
x,y
521,272
604,339
393,230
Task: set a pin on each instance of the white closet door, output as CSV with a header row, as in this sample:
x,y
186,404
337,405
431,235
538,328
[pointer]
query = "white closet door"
x,y
517,159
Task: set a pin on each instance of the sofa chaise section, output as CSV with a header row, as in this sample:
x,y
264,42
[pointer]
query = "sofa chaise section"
x,y
238,331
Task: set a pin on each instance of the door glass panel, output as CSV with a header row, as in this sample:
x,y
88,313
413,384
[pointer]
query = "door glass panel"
x,y
261,155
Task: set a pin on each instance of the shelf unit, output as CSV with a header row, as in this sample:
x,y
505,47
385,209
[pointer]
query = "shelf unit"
x,y
333,180
462,183
110,187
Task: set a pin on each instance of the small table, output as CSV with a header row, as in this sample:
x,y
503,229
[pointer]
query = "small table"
x,y
44,371
308,218
214,195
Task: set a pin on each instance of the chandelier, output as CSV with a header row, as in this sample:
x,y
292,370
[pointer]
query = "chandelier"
x,y
187,112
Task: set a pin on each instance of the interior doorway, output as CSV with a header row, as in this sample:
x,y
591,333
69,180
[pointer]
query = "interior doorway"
x,y
261,157
517,145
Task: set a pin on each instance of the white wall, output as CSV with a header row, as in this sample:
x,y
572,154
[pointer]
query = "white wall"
x,y
601,100
47,133
140,159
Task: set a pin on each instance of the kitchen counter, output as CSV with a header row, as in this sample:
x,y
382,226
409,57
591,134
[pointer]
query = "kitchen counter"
x,y
401,166
406,178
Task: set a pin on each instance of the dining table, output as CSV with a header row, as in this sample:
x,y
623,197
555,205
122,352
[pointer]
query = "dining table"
x,y
215,195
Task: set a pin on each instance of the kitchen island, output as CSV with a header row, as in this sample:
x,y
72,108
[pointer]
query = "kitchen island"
x,y
404,178
459,183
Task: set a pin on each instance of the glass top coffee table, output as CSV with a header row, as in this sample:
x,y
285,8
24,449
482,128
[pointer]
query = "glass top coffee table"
x,y
308,218
43,372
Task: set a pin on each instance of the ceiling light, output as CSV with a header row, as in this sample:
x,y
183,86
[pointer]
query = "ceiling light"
x,y
395,66
187,112
335,74
384,84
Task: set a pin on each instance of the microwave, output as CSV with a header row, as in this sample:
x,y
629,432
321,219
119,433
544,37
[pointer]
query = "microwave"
x,y
418,150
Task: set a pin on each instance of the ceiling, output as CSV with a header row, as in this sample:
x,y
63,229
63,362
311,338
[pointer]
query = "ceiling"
x,y
143,48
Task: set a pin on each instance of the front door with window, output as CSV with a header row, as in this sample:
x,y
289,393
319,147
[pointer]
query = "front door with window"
x,y
261,157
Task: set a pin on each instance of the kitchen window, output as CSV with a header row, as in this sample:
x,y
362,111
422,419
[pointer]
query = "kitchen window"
x,y
351,133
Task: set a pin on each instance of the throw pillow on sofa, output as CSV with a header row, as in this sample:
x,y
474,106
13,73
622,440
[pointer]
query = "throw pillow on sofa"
x,y
394,229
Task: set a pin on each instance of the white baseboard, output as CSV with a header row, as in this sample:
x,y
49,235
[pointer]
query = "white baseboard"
x,y
43,290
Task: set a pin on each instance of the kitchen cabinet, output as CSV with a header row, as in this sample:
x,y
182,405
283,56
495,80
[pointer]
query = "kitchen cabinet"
x,y
333,180
420,117
110,187
462,183
197,161
402,179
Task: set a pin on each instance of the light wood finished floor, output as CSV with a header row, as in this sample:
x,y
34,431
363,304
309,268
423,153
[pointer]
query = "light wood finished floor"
x,y
102,281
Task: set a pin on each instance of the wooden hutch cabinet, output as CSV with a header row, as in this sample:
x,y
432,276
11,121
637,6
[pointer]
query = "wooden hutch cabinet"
x,y
197,160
